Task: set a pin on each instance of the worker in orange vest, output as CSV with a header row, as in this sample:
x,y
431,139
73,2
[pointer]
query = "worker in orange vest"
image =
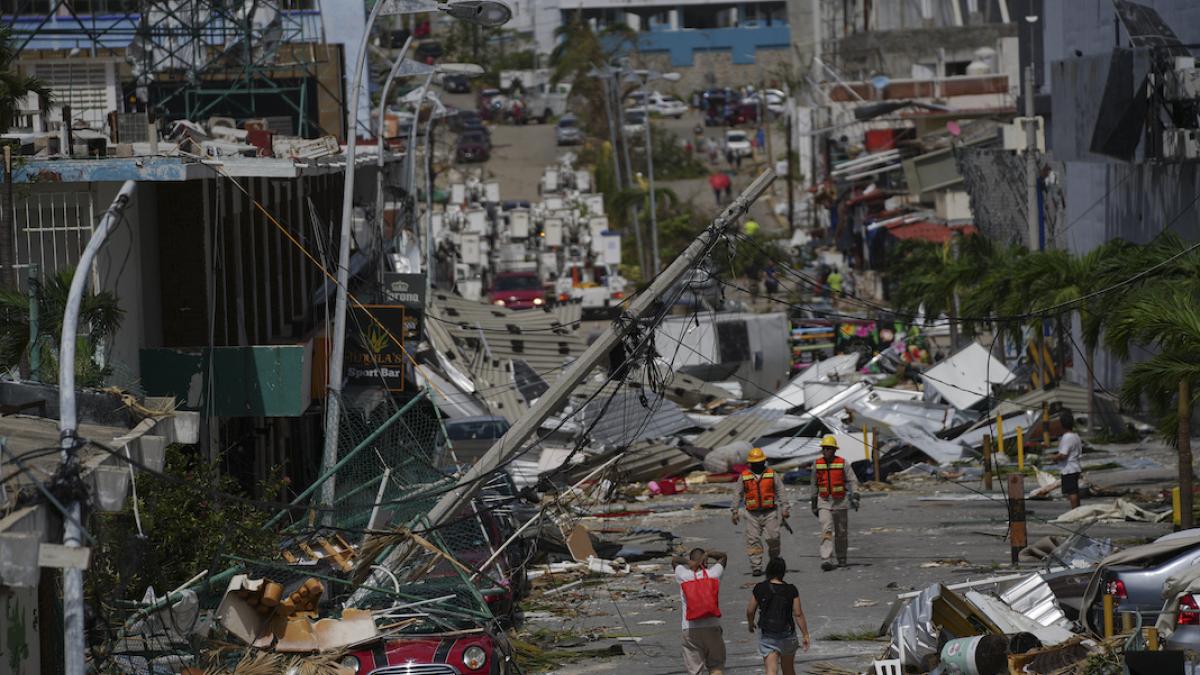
x,y
762,503
835,490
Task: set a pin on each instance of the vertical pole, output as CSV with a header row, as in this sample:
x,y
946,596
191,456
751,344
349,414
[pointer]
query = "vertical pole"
x,y
1045,426
987,462
657,266
1020,450
875,452
611,82
1000,434
1152,639
1108,615
7,258
866,443
379,136
35,328
1126,623
1176,512
1031,196
337,350
1018,536
791,195
429,206
1184,448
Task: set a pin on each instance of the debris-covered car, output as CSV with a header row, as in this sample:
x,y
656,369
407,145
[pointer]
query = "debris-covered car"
x,y
453,653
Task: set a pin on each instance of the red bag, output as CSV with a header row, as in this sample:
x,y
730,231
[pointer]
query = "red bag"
x,y
701,596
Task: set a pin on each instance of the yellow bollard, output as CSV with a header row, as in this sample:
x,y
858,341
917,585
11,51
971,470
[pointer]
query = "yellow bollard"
x,y
1176,508
866,444
1045,427
1108,615
999,434
1020,450
1126,622
1152,639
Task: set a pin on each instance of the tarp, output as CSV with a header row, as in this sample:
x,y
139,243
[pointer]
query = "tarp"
x,y
966,377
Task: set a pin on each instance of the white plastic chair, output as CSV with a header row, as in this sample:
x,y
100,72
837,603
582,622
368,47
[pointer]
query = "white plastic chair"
x,y
888,667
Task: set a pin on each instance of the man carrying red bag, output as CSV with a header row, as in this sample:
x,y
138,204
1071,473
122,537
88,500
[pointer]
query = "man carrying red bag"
x,y
700,590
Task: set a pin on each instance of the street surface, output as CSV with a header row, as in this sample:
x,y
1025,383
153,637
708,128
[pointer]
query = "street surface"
x,y
900,541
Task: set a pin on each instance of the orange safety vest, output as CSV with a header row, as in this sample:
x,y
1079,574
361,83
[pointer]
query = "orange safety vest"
x,y
759,492
831,478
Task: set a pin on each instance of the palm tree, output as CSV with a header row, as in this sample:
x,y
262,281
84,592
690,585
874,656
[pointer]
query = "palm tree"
x,y
1163,314
579,50
14,85
100,314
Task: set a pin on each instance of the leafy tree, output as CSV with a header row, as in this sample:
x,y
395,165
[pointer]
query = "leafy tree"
x,y
100,316
14,85
579,50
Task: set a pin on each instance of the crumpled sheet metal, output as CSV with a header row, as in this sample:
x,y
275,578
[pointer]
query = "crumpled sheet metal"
x,y
1034,599
914,637
1119,510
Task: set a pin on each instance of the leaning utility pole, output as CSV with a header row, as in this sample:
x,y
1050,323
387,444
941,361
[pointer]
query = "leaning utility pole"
x,y
513,441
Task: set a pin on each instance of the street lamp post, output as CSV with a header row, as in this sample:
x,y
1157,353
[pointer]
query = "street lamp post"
x,y
483,12
644,77
612,101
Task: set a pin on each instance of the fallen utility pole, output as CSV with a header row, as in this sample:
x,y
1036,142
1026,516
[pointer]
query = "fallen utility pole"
x,y
513,441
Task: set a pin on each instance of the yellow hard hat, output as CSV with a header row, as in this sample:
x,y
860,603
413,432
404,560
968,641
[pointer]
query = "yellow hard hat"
x,y
757,455
830,441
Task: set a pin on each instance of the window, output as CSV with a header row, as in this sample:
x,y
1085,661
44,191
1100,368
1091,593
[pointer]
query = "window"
x,y
733,341
518,283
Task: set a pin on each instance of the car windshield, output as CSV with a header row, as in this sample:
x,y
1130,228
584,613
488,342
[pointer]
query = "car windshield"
x,y
521,283
736,137
566,122
472,137
476,429
635,117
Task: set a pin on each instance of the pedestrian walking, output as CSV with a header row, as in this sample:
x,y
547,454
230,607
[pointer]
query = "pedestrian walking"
x,y
835,283
728,187
775,608
835,490
719,182
700,589
764,507
771,280
729,158
1070,450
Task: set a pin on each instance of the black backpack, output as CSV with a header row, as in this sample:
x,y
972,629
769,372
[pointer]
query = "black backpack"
x,y
775,614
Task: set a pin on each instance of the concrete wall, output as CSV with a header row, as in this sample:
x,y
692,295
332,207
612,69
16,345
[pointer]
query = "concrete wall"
x,y
1105,198
717,69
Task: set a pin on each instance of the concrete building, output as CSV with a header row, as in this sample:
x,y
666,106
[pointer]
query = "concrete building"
x,y
123,56
709,42
1092,70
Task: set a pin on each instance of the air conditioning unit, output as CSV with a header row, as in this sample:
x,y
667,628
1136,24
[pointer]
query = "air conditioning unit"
x,y
1182,84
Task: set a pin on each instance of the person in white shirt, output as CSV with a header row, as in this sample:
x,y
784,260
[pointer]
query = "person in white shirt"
x,y
1070,451
703,641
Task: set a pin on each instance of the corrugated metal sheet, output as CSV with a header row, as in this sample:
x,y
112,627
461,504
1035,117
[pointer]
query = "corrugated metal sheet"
x,y
747,426
686,390
625,420
641,462
791,396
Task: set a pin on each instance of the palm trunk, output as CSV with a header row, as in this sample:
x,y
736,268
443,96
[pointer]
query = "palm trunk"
x,y
1185,453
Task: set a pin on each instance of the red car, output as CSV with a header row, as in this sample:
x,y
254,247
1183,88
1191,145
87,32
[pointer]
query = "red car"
x,y
518,290
474,653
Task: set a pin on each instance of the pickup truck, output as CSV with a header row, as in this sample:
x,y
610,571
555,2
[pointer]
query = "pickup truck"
x,y
599,288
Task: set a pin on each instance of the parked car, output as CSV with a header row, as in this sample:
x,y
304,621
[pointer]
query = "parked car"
x,y
465,118
429,51
456,84
1138,585
657,104
776,100
738,143
474,652
479,134
567,131
472,436
517,290
635,123
472,147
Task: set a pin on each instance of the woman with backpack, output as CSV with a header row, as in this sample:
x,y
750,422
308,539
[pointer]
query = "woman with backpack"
x,y
776,605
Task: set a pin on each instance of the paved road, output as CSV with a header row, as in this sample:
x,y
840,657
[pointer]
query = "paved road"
x,y
896,542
